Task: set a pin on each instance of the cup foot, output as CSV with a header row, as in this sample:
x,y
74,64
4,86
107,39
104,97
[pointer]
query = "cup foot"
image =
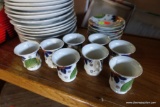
x,y
34,69
91,74
68,80
50,63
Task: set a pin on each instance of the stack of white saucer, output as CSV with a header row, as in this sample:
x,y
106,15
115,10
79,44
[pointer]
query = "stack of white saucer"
x,y
107,24
41,19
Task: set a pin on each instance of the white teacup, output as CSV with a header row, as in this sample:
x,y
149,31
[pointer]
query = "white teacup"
x,y
49,46
99,38
66,60
74,40
123,71
94,55
121,47
29,52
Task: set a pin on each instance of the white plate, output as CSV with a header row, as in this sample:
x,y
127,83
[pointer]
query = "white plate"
x,y
23,38
57,33
107,32
72,30
16,12
44,21
48,28
30,4
30,1
40,16
51,24
39,8
40,31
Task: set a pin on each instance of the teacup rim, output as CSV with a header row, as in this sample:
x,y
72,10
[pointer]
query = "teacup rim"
x,y
38,47
141,68
101,34
83,39
52,49
134,48
75,52
97,45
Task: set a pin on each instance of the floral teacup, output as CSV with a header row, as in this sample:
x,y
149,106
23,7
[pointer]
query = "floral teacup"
x,y
66,60
49,46
94,55
123,72
29,52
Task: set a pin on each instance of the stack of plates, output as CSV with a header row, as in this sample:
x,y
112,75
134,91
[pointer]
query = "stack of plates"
x,y
41,19
107,24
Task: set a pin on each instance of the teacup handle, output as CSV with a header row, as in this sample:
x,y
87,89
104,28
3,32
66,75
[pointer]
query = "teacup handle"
x,y
99,65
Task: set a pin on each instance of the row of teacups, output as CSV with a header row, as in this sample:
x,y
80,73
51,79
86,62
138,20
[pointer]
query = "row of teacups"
x,y
124,69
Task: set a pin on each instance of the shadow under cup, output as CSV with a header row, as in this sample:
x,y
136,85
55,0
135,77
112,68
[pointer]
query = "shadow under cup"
x,y
123,72
66,60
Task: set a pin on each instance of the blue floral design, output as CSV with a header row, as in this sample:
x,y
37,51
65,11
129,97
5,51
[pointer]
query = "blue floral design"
x,y
23,58
87,60
47,53
117,77
64,69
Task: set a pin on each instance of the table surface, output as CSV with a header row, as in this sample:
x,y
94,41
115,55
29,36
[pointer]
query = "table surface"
x,y
86,90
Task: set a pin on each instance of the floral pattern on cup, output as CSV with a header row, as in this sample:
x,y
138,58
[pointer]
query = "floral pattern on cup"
x,y
124,70
48,59
66,60
32,61
28,51
50,46
93,67
67,73
120,84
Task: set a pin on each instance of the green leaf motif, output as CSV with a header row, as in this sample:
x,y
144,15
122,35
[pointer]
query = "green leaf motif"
x,y
126,86
30,63
73,74
100,16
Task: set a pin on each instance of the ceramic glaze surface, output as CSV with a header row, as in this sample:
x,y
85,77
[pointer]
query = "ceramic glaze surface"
x,y
68,73
123,72
99,38
66,60
49,46
94,55
74,40
121,47
29,53
93,67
